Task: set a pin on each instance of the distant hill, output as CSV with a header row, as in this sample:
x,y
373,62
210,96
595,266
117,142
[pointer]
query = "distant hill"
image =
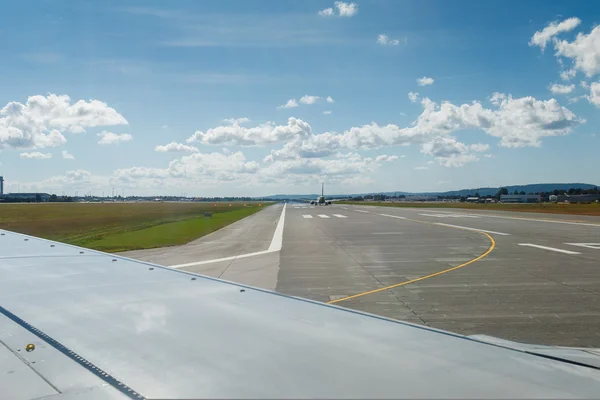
x,y
485,191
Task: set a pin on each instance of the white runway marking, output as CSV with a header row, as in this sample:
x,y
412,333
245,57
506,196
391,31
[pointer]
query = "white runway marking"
x,y
361,211
595,246
339,215
323,216
387,233
392,216
307,216
276,244
450,215
472,229
548,248
553,221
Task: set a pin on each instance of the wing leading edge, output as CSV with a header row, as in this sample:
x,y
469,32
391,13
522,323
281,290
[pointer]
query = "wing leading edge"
x,y
124,328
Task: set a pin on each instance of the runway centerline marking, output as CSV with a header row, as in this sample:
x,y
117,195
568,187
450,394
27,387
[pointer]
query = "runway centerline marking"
x,y
393,216
339,215
363,211
323,216
549,248
276,244
308,216
488,251
472,229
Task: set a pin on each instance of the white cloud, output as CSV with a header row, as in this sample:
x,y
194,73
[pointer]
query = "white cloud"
x,y
479,147
236,121
327,112
112,138
542,37
386,41
165,126
306,99
328,12
176,147
343,10
330,100
346,9
41,121
385,157
291,103
488,155
413,96
594,96
584,85
261,134
568,74
584,51
561,89
36,155
448,152
66,155
421,168
424,81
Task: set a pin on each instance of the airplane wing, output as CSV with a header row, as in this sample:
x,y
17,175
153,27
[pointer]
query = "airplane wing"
x,y
81,324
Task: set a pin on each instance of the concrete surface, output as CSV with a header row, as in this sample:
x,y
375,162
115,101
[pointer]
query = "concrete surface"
x,y
546,295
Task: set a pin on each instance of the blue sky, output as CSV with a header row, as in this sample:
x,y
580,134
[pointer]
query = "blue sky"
x,y
93,92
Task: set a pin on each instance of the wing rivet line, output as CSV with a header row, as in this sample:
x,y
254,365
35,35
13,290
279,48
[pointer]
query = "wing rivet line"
x,y
106,377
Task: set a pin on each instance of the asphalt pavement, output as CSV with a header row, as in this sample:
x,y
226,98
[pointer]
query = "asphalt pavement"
x,y
527,277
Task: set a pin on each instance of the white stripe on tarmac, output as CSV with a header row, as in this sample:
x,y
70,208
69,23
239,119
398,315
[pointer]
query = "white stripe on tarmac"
x,y
361,211
276,244
595,246
548,248
308,216
339,216
323,216
553,221
392,216
472,229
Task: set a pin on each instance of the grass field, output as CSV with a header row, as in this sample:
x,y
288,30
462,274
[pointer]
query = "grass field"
x,y
550,208
114,227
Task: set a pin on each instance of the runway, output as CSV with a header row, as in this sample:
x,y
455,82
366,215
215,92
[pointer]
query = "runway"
x,y
527,277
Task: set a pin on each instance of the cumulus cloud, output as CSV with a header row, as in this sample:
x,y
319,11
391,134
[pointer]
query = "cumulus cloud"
x,y
66,155
330,100
236,121
561,89
386,158
421,168
176,147
342,9
385,40
594,96
424,81
42,120
568,74
306,99
413,96
261,134
291,103
113,138
448,152
479,147
541,38
327,112
584,85
584,51
36,155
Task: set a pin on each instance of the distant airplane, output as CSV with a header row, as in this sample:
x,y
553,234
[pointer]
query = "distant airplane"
x,y
321,199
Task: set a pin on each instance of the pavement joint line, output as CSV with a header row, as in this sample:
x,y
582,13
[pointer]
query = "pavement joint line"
x,y
471,261
275,246
472,229
549,248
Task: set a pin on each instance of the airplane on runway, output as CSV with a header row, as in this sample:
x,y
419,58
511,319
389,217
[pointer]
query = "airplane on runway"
x,y
321,199
81,324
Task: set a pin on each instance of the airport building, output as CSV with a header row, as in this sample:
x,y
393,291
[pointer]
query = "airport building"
x,y
520,198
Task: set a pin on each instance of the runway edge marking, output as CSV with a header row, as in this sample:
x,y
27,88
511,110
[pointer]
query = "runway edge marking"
x,y
275,246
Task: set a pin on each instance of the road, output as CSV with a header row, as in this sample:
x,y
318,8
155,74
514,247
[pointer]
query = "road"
x,y
520,276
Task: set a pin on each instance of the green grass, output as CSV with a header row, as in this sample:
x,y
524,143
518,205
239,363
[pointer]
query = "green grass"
x,y
116,227
549,208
